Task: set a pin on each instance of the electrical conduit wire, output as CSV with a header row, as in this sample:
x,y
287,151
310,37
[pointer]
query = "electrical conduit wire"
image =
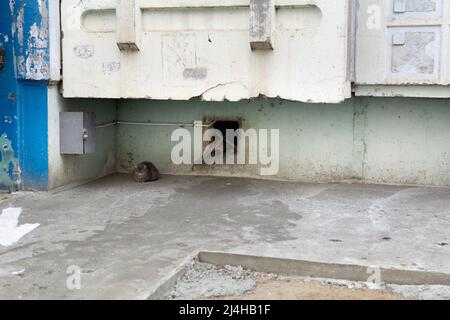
x,y
137,123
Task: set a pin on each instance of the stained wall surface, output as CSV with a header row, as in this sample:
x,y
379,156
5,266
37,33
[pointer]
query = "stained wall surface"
x,y
217,50
373,140
403,48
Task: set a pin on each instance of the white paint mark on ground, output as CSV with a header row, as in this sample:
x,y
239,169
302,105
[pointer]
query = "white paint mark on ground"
x,y
18,272
10,232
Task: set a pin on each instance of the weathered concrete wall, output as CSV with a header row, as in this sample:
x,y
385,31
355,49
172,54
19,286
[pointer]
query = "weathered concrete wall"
x,y
30,104
24,34
9,155
66,169
215,49
30,37
375,140
401,42
372,140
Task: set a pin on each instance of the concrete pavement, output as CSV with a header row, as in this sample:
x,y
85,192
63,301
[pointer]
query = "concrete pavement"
x,y
126,237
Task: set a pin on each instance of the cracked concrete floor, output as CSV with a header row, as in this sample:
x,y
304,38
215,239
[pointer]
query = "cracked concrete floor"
x,y
125,237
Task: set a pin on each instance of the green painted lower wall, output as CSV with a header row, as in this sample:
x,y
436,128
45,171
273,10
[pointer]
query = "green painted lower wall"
x,y
374,140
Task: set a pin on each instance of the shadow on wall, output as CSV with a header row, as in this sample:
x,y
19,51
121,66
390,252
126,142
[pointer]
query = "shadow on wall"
x,y
67,169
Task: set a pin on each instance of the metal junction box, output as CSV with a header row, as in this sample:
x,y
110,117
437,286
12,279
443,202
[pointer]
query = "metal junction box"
x,y
213,49
77,132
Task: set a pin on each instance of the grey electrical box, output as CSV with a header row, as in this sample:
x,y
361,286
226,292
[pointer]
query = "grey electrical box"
x,y
77,132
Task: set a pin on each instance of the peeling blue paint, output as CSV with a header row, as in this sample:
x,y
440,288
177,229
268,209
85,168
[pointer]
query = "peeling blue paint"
x,y
30,29
9,162
9,165
23,94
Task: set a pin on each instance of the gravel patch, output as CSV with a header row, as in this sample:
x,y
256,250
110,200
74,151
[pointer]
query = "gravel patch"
x,y
422,292
203,280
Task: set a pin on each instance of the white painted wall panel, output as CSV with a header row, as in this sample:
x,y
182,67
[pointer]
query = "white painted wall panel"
x,y
402,43
196,48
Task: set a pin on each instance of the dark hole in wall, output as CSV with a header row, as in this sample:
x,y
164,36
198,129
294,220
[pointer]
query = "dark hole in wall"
x,y
223,126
